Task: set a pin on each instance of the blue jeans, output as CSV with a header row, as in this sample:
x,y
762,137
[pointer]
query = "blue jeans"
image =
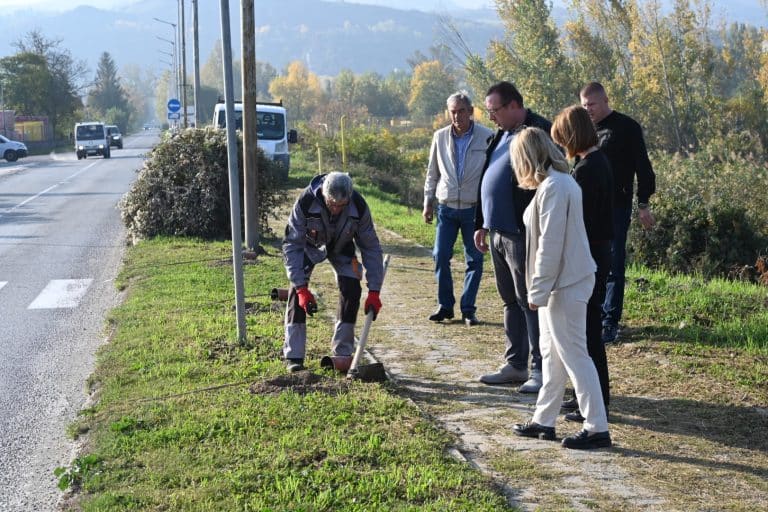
x,y
449,222
614,288
521,325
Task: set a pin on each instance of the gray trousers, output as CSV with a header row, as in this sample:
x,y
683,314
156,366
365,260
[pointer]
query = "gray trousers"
x,y
521,325
343,341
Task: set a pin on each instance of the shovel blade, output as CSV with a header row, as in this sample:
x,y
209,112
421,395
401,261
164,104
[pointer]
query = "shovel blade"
x,y
368,373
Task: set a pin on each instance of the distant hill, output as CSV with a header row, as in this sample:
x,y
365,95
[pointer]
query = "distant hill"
x,y
328,36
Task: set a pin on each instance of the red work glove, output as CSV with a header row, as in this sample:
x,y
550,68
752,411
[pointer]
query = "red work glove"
x,y
306,300
373,302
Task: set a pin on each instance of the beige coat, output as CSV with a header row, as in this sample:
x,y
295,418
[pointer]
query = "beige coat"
x,y
558,252
442,182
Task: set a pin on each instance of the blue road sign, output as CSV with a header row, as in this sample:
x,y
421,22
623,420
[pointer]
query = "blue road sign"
x,y
174,115
174,105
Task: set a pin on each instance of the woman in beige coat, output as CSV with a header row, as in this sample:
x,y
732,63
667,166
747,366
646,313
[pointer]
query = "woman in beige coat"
x,y
560,278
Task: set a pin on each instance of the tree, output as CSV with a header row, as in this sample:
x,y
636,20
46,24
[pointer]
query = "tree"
x,y
139,85
531,56
107,94
56,77
299,89
431,85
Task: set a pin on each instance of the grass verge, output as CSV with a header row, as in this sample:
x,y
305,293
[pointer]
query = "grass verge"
x,y
187,419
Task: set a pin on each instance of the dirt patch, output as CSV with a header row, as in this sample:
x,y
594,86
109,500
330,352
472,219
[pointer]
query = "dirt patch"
x,y
302,383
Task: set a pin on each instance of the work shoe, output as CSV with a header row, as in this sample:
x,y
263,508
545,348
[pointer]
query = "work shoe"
x,y
586,440
533,429
470,319
506,374
441,314
569,405
294,365
610,334
533,384
574,416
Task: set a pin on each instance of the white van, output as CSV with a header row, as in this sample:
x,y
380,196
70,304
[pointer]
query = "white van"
x,y
91,139
271,126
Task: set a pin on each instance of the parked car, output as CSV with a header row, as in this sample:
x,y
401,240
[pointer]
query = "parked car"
x,y
12,150
114,135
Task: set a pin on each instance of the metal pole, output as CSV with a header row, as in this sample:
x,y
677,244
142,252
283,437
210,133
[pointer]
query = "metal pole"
x,y
183,64
343,149
172,92
196,61
234,187
250,133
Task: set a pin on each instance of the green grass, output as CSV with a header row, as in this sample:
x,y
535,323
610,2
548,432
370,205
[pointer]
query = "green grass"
x,y
187,418
176,427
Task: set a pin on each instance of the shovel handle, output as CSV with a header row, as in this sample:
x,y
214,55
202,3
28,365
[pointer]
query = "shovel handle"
x,y
364,333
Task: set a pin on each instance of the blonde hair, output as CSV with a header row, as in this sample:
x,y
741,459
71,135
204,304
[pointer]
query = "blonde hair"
x,y
532,154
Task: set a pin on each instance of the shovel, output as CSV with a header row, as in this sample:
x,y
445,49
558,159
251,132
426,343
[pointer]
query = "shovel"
x,y
367,372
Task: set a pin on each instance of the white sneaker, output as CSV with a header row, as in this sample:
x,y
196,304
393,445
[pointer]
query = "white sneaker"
x,y
533,384
506,374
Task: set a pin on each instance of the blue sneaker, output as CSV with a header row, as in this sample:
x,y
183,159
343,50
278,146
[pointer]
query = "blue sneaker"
x,y
610,334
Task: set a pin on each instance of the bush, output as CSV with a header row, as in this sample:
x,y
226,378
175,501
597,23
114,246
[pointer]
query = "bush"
x,y
183,188
706,221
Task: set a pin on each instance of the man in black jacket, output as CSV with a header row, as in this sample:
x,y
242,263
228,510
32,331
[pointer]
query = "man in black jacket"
x,y
499,212
621,138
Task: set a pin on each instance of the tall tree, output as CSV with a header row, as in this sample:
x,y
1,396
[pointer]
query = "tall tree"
x,y
299,89
139,84
58,96
107,92
531,56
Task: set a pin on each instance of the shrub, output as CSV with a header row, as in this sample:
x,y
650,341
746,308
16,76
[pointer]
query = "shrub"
x,y
183,188
706,219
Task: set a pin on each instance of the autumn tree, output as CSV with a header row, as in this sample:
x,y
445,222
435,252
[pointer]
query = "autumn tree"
x,y
431,84
299,89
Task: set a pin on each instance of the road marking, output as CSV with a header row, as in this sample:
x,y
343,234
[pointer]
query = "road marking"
x,y
61,293
3,283
32,198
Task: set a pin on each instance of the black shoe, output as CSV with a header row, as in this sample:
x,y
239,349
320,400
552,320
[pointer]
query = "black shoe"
x,y
441,314
575,416
569,405
470,319
294,365
533,429
585,440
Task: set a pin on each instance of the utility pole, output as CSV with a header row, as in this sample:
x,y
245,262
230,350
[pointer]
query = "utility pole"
x,y
183,64
234,185
196,61
250,133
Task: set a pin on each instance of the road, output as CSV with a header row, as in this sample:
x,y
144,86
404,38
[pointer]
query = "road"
x,y
61,244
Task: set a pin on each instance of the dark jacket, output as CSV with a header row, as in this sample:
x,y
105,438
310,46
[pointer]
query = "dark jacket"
x,y
621,137
311,236
594,176
520,197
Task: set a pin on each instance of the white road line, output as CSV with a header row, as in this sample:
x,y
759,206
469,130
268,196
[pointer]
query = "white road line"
x,y
32,198
3,283
61,293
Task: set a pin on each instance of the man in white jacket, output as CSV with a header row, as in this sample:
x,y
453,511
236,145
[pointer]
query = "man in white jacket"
x,y
456,161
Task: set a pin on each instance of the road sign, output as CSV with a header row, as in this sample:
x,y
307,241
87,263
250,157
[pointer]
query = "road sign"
x,y
174,105
174,115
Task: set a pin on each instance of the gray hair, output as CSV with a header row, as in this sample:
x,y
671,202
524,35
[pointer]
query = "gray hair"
x,y
337,186
460,97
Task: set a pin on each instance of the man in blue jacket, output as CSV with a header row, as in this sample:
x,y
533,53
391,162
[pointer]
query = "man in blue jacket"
x,y
329,221
499,212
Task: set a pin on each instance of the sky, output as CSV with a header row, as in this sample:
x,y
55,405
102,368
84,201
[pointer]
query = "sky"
x,y
423,5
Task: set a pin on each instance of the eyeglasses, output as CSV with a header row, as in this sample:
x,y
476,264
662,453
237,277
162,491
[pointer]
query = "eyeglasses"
x,y
492,111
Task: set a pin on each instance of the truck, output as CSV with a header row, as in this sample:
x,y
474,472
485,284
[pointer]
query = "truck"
x,y
271,127
91,139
